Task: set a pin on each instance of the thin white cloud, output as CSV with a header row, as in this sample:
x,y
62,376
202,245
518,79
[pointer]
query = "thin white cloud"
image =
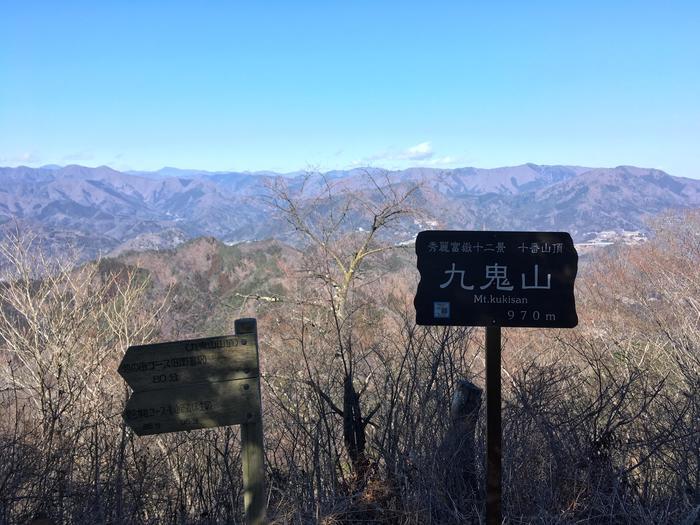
x,y
442,161
27,157
422,153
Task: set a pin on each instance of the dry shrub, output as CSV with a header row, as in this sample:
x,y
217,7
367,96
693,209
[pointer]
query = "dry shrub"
x,y
600,422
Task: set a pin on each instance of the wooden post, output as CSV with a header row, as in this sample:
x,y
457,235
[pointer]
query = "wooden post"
x,y
457,452
493,425
252,453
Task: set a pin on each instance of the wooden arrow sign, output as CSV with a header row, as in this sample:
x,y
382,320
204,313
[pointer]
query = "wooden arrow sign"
x,y
198,383
167,365
188,407
203,383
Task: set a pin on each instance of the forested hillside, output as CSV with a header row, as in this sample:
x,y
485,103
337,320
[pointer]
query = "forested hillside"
x,y
600,422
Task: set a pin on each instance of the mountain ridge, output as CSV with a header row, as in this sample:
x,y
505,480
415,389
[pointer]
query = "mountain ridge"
x,y
104,208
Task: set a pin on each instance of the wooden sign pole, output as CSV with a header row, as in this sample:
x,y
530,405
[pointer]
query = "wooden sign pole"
x,y
252,448
527,281
493,425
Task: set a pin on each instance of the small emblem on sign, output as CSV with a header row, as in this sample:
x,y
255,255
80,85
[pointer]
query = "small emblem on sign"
x,y
441,310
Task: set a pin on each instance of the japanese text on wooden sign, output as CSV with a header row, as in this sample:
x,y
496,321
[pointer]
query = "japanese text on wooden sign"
x,y
186,385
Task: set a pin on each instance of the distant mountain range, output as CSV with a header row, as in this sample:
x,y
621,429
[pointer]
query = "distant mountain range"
x,y
101,210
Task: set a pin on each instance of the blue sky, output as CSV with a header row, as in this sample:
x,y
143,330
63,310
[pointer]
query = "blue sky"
x,y
293,85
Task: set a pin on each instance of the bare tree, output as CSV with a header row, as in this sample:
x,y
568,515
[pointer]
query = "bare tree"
x,y
61,328
342,228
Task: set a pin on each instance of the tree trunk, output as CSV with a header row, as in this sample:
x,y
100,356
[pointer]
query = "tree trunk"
x,y
353,426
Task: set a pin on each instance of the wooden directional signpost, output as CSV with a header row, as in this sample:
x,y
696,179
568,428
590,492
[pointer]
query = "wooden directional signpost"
x,y
202,383
495,279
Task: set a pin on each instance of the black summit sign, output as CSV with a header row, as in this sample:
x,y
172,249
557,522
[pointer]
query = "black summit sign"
x,y
480,278
495,279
